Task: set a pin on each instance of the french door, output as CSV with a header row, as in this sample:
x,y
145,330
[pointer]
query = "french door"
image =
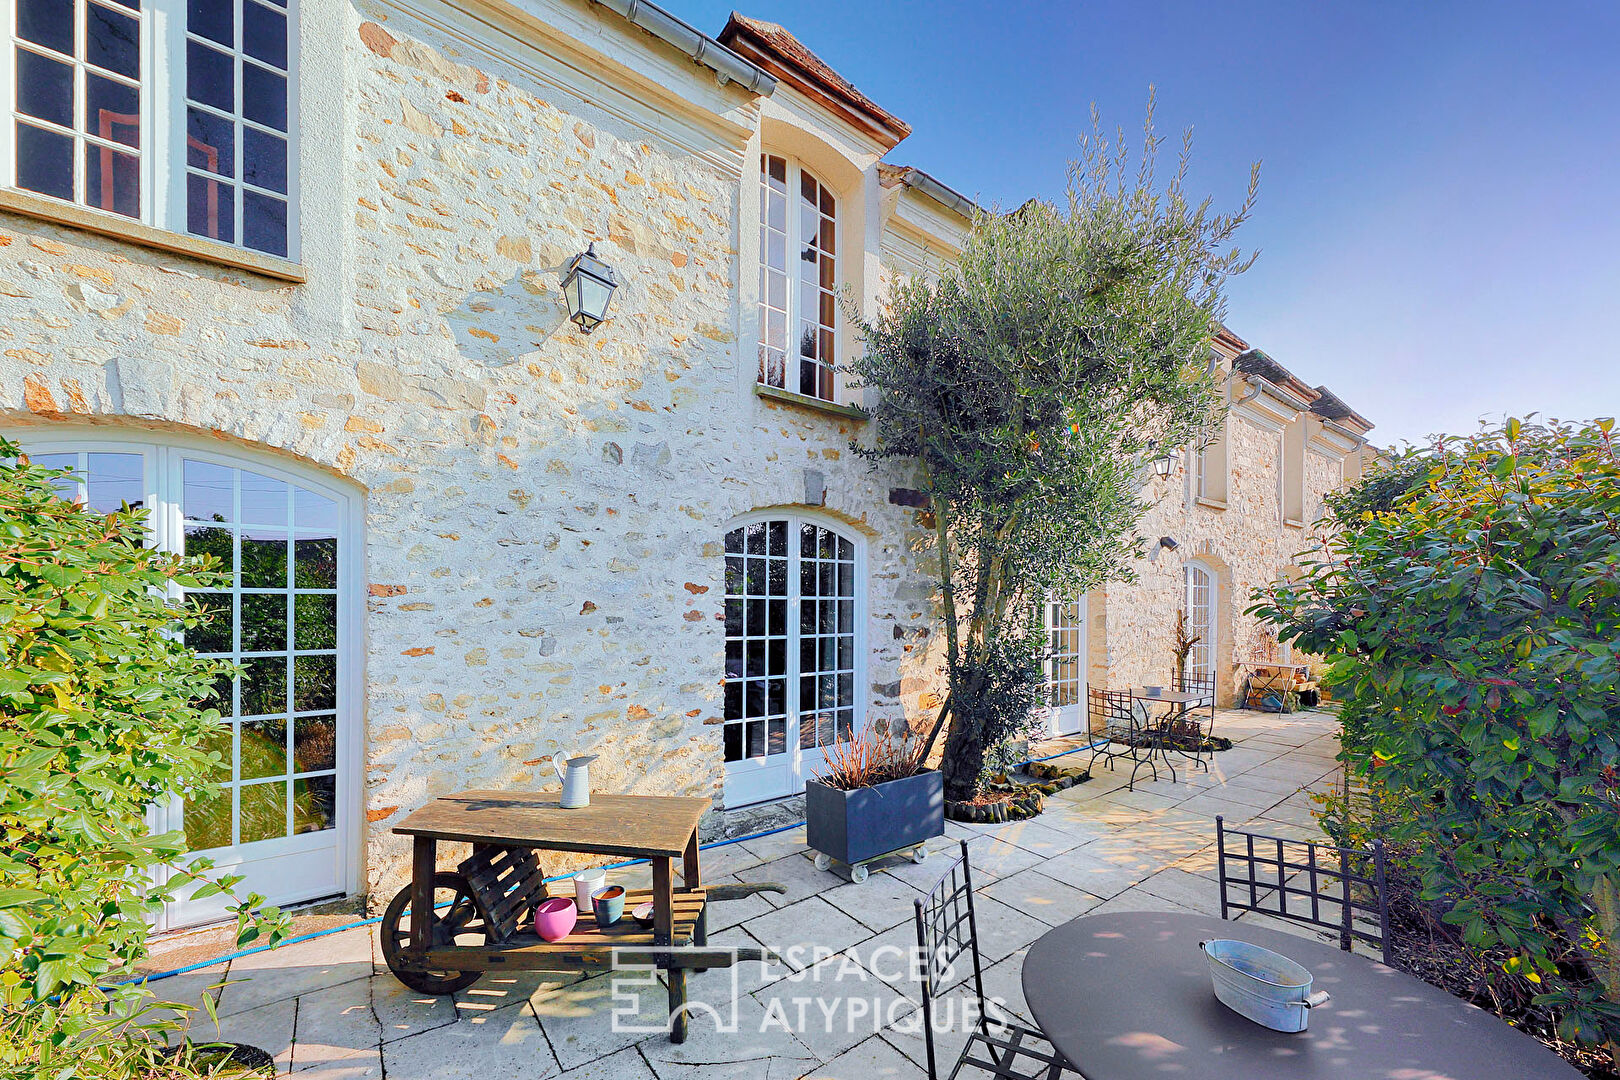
x,y
795,614
1199,585
1066,665
284,816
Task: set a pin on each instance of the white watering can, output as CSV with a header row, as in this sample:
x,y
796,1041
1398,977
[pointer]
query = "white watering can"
x,y
576,782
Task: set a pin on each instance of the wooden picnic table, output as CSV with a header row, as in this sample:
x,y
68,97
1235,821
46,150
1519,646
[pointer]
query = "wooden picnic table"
x,y
501,883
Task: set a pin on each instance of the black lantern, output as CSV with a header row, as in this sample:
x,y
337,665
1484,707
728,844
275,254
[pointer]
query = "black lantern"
x,y
1162,465
588,285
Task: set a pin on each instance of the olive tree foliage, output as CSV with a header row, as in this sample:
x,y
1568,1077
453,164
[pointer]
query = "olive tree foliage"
x,y
1473,630
99,719
1029,384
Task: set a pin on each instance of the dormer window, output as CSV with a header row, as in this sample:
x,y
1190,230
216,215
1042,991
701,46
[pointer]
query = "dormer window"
x,y
798,312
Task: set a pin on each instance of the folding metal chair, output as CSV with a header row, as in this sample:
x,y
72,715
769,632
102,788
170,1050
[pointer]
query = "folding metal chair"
x,y
1196,720
1127,733
1262,873
999,1047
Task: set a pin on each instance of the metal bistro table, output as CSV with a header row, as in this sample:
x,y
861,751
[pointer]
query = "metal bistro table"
x,y
487,903
1180,703
1128,996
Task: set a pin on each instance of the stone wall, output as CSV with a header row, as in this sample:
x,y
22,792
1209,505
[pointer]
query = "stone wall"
x,y
543,509
1245,545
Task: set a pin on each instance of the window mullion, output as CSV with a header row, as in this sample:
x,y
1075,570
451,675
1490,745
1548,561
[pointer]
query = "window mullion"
x,y
790,365
155,146
794,634
81,185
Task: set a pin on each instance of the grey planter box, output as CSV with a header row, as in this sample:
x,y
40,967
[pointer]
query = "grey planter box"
x,y
856,826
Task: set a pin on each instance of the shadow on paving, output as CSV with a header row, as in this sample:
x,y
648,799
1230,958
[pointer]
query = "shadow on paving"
x,y
845,1001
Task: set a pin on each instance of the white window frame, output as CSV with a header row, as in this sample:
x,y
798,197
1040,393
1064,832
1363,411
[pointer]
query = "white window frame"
x,y
162,151
1210,636
1067,719
755,780
1291,473
795,170
162,456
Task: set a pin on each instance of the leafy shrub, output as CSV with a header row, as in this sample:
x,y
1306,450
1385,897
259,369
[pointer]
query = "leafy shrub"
x,y
99,719
1474,634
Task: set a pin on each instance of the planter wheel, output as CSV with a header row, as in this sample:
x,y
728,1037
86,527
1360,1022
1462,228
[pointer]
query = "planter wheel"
x,y
226,1060
918,854
857,873
823,862
459,923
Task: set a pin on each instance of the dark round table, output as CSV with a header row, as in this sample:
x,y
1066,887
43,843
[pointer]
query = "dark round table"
x,y
1128,997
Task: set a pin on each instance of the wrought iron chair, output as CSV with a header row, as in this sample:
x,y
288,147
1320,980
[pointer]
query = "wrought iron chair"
x,y
1262,873
1126,733
1194,724
999,1046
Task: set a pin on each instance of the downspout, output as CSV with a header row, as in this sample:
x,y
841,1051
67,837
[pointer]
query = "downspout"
x,y
1253,392
1260,384
694,43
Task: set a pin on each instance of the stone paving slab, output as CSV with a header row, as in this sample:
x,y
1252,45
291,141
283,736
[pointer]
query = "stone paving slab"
x,y
328,1010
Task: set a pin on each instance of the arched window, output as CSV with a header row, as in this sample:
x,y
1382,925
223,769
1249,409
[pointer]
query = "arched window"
x,y
798,312
1199,604
794,651
286,612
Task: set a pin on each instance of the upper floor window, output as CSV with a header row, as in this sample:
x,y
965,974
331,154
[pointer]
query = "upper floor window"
x,y
174,113
1207,477
798,215
1291,472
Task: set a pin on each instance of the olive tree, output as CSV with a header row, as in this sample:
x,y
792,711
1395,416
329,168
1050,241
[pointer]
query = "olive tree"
x,y
1029,384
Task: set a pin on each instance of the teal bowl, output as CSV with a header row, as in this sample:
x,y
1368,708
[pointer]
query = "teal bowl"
x,y
608,904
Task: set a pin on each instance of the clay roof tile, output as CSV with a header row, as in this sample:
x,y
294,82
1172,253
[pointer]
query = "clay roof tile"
x,y
747,35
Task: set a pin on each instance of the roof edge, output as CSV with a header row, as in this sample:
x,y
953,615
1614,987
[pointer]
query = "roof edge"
x,y
702,48
921,182
787,59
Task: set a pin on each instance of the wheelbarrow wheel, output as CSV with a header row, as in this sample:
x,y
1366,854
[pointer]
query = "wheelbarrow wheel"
x,y
456,921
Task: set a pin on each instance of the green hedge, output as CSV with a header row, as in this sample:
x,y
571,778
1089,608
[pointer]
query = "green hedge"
x,y
1471,609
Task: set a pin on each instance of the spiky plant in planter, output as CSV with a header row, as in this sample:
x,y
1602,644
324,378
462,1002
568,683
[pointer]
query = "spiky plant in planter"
x,y
875,797
1182,644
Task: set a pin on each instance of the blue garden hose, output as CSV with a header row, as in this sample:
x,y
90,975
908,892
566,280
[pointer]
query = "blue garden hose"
x,y
187,969
378,918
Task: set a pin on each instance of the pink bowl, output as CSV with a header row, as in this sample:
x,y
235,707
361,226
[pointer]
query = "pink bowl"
x,y
554,918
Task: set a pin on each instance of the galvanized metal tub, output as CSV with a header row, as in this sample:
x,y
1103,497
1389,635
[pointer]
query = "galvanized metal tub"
x,y
1260,985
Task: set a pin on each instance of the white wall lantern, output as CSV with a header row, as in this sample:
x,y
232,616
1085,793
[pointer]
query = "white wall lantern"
x,y
588,285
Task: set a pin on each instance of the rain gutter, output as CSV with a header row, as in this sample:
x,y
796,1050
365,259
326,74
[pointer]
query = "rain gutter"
x,y
945,196
1263,385
1339,429
694,43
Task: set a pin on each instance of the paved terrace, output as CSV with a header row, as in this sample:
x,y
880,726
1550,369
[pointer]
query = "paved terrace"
x,y
844,1006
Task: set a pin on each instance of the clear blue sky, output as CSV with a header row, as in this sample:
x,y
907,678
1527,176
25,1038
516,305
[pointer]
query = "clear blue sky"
x,y
1439,215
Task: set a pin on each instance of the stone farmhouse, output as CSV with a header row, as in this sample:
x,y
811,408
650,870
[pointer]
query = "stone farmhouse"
x,y
289,274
